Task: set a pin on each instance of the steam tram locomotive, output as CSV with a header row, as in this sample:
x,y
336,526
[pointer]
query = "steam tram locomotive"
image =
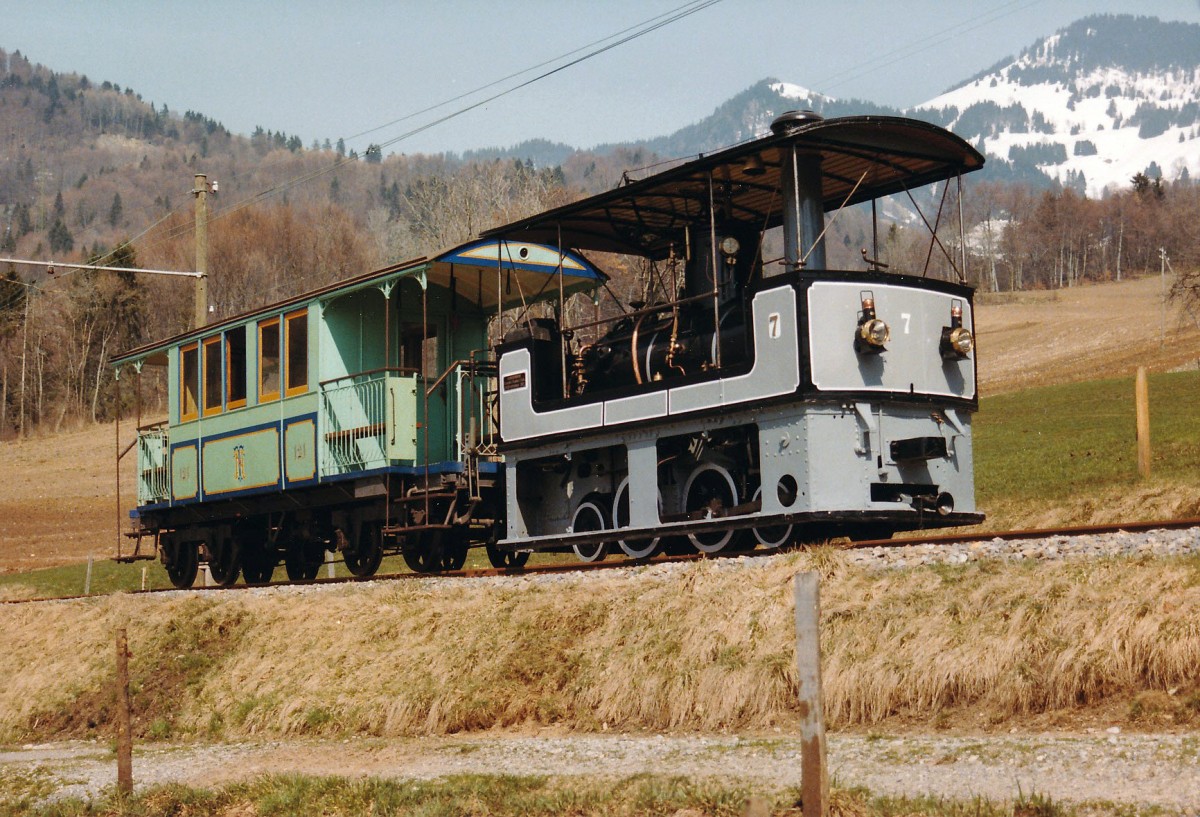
x,y
745,400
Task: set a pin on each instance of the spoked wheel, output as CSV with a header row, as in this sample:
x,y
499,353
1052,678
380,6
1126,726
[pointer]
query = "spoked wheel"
x,y
634,548
710,491
455,545
303,560
439,552
364,557
589,517
772,536
258,555
506,559
258,564
225,561
182,561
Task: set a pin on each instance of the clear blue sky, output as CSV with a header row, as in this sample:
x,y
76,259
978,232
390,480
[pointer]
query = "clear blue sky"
x,y
326,69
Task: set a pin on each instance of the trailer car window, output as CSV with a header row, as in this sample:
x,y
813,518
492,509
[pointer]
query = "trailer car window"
x,y
296,363
189,383
235,368
268,360
212,375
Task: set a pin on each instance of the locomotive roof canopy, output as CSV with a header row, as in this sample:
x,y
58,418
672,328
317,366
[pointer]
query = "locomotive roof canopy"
x,y
882,155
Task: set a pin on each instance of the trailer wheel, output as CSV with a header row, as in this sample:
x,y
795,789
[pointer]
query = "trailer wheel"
x,y
225,562
506,559
364,558
182,561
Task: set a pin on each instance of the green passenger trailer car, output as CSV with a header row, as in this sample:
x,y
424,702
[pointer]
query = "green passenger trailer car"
x,y
358,418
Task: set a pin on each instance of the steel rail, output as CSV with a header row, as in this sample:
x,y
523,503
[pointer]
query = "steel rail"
x,y
581,567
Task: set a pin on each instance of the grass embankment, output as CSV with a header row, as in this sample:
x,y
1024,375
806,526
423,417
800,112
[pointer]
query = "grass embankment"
x,y
1067,454
706,647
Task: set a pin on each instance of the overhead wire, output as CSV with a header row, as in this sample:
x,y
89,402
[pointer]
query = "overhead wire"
x,y
593,49
914,47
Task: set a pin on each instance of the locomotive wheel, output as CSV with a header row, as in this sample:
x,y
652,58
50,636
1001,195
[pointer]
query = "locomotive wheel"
x,y
506,559
710,488
182,561
363,559
225,561
634,548
588,517
303,560
772,536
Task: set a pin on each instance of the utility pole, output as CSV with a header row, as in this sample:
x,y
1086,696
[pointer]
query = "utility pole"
x,y
200,191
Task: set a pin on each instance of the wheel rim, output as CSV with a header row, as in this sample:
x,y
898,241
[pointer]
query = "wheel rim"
x,y
710,488
634,548
772,536
225,563
589,517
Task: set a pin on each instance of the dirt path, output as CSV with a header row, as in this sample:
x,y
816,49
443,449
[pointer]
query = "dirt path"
x,y
1144,769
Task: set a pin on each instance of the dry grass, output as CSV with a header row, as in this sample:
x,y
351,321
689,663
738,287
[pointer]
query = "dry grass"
x,y
983,642
1041,338
1154,500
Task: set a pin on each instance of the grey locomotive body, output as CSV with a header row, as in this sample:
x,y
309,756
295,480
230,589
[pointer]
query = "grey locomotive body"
x,y
776,401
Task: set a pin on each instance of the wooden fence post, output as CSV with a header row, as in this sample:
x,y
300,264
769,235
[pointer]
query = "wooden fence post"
x,y
814,778
1141,391
124,737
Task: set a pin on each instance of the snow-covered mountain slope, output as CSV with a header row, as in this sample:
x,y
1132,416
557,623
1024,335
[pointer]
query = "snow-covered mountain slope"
x,y
1097,102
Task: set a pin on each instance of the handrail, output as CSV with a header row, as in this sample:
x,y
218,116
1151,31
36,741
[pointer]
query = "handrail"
x,y
401,370
648,310
449,369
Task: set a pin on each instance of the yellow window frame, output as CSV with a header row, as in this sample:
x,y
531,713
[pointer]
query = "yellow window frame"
x,y
268,396
186,416
205,409
286,342
230,403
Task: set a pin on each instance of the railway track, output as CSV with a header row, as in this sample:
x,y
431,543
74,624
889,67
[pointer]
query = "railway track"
x,y
579,567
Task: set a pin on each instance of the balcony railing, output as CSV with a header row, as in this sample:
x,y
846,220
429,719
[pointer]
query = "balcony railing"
x,y
154,464
363,417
